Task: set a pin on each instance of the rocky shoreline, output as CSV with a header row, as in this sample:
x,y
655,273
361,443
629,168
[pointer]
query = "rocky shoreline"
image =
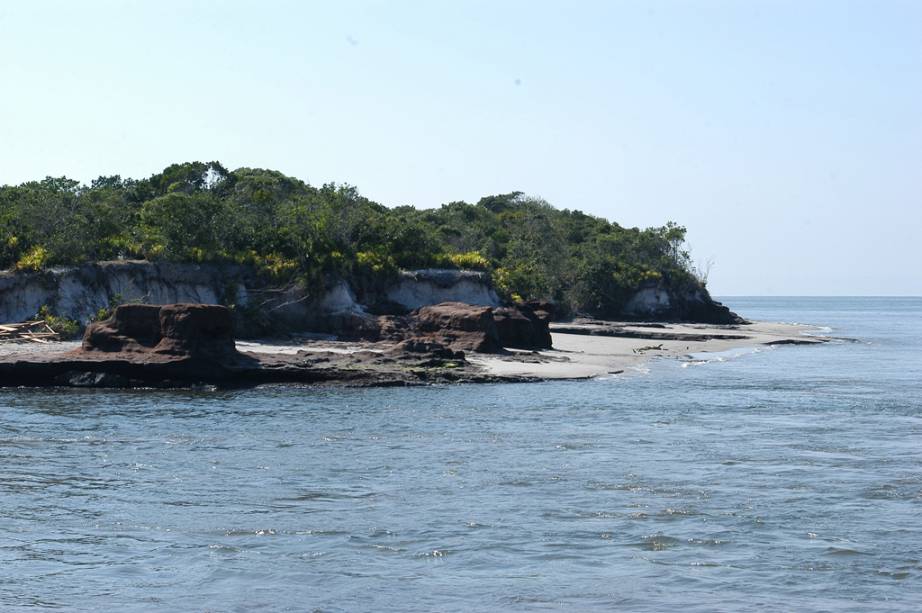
x,y
191,344
187,345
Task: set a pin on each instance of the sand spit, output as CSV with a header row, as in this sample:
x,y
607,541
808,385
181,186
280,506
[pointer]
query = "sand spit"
x,y
596,349
590,349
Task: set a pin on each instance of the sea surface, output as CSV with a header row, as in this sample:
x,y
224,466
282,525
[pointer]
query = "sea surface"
x,y
784,479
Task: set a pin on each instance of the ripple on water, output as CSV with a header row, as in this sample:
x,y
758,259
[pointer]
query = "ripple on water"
x,y
787,480
657,542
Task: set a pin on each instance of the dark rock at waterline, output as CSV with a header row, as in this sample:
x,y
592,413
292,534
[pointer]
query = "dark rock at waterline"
x,y
711,312
91,379
591,327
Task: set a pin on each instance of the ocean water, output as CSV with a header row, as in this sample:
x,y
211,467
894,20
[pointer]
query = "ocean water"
x,y
779,480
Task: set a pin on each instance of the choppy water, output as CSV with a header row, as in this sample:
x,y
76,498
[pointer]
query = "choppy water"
x,y
788,479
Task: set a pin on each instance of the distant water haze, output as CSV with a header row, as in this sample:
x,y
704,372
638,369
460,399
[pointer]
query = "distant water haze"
x,y
786,136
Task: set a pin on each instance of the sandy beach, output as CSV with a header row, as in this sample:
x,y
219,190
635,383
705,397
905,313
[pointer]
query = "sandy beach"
x,y
588,354
591,355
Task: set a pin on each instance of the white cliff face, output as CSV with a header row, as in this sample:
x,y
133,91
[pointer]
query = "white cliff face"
x,y
79,293
20,298
420,288
340,299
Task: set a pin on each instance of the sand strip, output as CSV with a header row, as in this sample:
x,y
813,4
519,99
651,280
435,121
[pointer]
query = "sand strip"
x,y
588,356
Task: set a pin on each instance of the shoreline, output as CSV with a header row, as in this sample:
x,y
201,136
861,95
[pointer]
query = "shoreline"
x,y
591,354
583,349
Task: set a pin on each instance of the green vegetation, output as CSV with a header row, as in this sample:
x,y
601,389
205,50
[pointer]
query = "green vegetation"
x,y
67,329
107,311
201,212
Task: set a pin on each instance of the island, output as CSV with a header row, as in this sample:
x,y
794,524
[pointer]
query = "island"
x,y
200,275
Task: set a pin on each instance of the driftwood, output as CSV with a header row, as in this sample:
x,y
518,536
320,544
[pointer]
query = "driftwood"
x,y
28,331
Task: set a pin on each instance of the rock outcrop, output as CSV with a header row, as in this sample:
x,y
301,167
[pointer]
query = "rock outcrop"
x,y
709,311
184,345
458,326
657,303
197,331
461,327
524,326
263,308
131,328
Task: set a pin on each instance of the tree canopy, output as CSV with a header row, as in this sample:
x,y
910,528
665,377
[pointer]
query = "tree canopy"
x,y
284,227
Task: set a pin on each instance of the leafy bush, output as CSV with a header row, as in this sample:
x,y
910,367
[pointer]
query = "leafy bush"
x,y
471,260
34,259
66,328
374,262
106,312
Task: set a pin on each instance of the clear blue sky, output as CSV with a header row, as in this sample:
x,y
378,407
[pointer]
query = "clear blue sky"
x,y
787,136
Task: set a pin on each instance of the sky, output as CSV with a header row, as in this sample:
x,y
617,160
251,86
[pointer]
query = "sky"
x,y
786,136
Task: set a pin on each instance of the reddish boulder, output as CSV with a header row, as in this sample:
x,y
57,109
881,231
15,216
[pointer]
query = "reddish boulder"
x,y
184,330
132,328
196,330
458,326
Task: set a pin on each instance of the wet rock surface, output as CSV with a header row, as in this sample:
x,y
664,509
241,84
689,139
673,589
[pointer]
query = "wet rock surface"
x,y
709,312
438,350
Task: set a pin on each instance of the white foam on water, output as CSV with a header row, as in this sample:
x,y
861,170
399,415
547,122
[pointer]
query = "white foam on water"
x,y
708,357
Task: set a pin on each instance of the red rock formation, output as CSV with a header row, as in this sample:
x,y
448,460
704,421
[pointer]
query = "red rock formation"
x,y
132,328
196,330
190,344
458,326
182,330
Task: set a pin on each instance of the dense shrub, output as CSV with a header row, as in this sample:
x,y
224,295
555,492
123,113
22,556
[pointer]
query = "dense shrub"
x,y
201,212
